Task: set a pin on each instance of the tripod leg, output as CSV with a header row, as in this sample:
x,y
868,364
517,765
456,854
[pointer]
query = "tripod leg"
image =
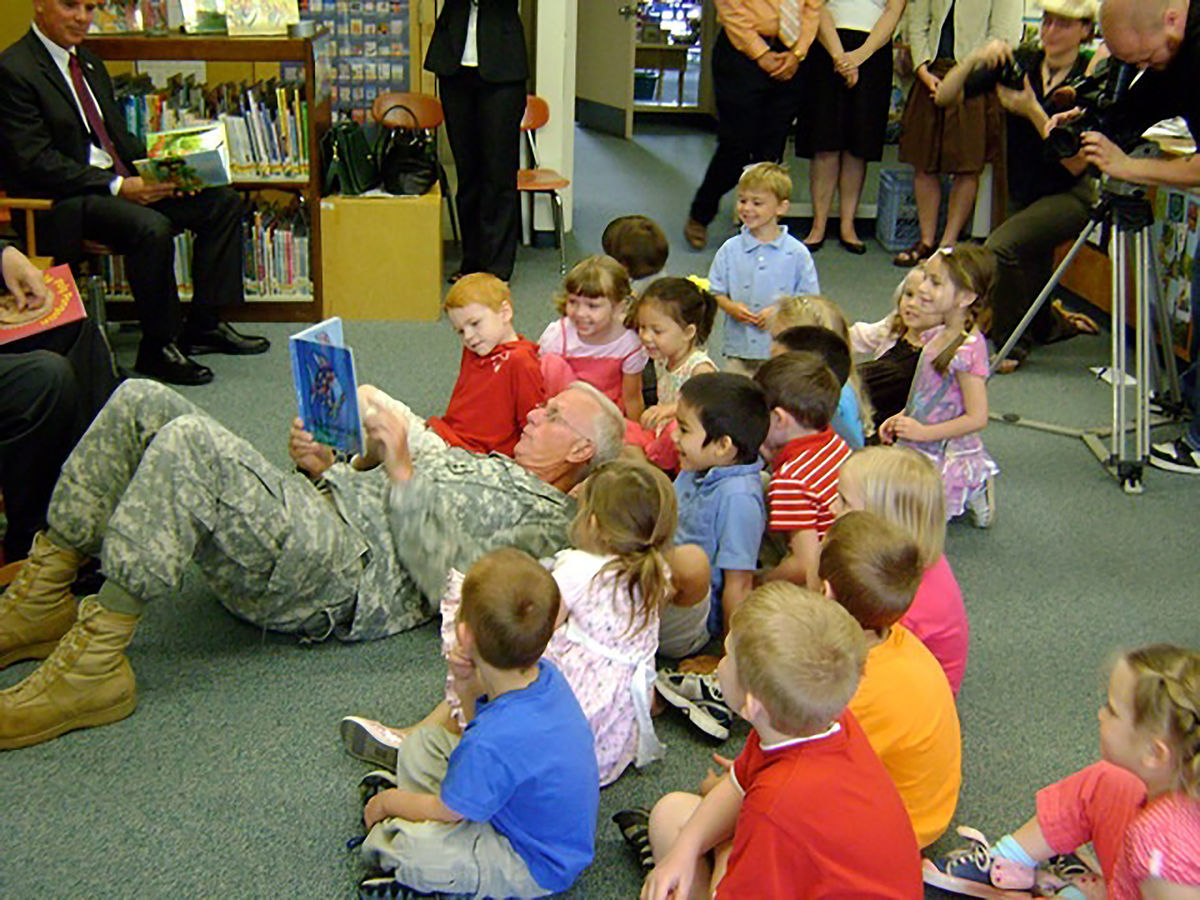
x,y
1046,291
1117,252
1173,395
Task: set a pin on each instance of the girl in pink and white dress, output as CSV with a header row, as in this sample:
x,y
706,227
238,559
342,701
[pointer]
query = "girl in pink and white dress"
x,y
590,341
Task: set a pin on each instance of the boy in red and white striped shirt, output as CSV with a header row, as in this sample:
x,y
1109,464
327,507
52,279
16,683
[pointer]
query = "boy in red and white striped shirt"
x,y
805,455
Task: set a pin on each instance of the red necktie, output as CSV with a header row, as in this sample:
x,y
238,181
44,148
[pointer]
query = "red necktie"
x,y
94,119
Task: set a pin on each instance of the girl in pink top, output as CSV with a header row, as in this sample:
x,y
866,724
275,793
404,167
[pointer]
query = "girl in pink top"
x,y
904,487
590,342
1139,808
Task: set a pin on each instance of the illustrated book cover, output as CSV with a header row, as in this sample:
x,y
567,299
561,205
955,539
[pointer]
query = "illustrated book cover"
x,y
192,158
64,306
326,386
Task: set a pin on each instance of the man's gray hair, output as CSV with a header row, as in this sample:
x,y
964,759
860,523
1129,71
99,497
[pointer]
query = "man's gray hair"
x,y
607,428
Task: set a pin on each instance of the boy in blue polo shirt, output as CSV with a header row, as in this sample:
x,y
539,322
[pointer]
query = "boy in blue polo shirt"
x,y
508,809
722,420
756,267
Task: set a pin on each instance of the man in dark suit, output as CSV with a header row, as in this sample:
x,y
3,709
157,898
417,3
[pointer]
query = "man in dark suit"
x,y
63,137
478,53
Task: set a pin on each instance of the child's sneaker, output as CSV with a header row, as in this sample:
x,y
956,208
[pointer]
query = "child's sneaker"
x,y
700,699
374,782
982,504
635,829
370,741
976,872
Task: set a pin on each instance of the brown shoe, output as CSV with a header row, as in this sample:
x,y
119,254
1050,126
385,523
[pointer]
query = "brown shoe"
x,y
696,234
86,681
37,608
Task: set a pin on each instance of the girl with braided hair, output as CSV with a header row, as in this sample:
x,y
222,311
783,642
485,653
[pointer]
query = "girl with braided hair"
x,y
1139,807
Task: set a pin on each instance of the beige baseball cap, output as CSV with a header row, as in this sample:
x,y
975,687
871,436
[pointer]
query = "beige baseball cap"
x,y
1072,9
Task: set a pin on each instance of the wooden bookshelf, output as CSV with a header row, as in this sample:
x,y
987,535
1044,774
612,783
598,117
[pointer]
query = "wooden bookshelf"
x,y
220,48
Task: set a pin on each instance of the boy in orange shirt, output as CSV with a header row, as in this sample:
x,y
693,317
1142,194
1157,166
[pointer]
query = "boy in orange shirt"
x,y
903,701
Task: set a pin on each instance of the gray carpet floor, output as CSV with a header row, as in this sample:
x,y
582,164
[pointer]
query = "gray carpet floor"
x,y
229,780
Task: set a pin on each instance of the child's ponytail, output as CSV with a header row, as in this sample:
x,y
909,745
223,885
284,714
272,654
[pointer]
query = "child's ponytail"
x,y
628,510
1166,699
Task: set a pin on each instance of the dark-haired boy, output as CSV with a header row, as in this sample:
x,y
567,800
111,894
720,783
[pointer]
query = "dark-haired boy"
x,y
508,809
805,455
831,347
721,422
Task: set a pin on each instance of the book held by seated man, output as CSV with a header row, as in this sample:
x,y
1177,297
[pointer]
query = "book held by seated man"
x,y
64,306
326,386
191,158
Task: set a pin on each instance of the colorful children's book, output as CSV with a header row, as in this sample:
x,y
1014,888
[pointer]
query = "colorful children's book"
x,y
64,306
192,158
326,387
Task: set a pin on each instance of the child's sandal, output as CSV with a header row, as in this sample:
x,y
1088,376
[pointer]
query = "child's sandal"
x,y
635,829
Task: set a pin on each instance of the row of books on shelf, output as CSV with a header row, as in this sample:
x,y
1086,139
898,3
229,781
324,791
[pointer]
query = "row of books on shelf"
x,y
276,252
264,126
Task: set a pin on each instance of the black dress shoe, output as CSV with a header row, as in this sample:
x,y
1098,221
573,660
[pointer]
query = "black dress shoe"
x,y
223,339
858,248
815,246
170,365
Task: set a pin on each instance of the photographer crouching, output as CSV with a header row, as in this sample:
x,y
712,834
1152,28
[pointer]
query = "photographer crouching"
x,y
1049,200
1163,36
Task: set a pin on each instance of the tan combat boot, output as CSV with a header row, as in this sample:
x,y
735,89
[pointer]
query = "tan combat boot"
x,y
85,682
37,608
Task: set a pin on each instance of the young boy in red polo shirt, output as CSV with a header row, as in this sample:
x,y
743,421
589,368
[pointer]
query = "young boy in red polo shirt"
x,y
805,455
807,810
499,378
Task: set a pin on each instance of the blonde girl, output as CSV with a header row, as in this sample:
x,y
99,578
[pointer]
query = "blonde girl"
x,y
903,486
590,341
1139,808
891,347
815,309
947,406
613,582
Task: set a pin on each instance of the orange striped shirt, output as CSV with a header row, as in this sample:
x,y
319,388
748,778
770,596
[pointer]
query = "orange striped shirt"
x,y
804,479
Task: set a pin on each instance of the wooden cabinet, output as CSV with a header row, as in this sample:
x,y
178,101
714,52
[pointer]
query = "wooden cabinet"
x,y
212,48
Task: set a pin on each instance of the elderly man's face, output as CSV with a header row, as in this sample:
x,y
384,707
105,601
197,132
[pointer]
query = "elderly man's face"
x,y
65,22
558,431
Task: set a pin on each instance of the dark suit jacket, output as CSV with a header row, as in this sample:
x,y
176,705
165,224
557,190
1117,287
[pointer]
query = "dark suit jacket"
x,y
44,139
500,39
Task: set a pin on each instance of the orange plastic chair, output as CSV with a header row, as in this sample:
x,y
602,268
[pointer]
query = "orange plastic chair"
x,y
402,109
537,180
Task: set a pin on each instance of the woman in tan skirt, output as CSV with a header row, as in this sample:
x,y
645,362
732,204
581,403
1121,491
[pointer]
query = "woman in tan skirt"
x,y
956,140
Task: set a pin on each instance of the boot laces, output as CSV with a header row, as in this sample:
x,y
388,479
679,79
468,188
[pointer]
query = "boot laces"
x,y
66,652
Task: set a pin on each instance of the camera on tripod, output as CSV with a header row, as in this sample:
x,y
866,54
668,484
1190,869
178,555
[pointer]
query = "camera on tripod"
x,y
1098,95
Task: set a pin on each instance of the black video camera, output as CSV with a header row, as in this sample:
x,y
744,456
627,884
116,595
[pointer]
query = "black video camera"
x,y
1098,95
1010,73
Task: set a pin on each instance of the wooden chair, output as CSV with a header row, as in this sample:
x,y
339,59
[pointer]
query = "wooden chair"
x,y
536,180
426,114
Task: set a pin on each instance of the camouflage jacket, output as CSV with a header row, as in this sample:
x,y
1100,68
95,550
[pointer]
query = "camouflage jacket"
x,y
457,506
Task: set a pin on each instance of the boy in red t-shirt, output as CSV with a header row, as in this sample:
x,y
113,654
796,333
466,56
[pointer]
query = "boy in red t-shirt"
x,y
808,809
805,455
499,378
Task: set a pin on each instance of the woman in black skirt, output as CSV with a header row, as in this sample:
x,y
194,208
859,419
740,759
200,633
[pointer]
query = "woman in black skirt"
x,y
847,83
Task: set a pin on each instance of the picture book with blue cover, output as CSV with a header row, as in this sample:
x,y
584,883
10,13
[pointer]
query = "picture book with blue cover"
x,y
326,386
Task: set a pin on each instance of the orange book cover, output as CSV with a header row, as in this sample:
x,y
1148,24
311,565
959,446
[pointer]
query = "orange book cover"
x,y
64,306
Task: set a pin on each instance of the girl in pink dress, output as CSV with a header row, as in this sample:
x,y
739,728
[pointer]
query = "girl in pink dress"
x,y
947,406
590,341
1139,808
613,582
902,486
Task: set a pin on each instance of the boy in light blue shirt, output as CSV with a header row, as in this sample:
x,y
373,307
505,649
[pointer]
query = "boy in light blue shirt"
x,y
757,266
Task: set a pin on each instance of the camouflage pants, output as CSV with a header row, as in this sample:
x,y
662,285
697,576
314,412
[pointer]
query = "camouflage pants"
x,y
156,483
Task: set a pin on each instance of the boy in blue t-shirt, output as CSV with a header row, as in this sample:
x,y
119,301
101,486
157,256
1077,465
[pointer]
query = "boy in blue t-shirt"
x,y
722,420
508,809
757,266
847,419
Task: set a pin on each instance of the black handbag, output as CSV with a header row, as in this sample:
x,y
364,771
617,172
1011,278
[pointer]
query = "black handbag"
x,y
407,157
350,165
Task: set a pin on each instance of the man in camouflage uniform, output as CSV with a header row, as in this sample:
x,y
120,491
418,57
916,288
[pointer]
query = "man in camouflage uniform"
x,y
357,550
